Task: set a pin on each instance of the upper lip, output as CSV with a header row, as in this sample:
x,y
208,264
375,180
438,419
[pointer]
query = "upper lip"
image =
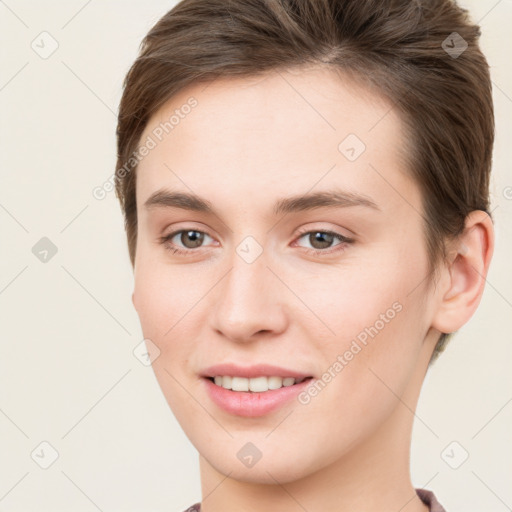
x,y
248,372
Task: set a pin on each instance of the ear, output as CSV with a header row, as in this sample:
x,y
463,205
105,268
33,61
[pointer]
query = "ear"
x,y
465,275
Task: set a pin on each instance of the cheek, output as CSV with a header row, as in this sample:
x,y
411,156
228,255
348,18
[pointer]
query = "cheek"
x,y
163,295
376,325
164,303
352,299
365,369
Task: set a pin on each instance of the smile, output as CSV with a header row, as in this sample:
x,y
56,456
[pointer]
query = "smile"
x,y
255,384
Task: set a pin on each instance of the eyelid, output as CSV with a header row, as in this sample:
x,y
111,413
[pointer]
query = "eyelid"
x,y
169,233
306,230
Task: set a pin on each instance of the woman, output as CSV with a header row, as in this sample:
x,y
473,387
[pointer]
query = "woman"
x,y
305,191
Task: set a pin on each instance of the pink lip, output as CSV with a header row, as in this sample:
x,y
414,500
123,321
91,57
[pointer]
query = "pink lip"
x,y
249,404
259,370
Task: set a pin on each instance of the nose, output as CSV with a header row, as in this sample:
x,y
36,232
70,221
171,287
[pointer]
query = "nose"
x,y
249,302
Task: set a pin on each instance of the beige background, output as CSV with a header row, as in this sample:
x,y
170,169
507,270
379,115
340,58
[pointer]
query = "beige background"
x,y
68,375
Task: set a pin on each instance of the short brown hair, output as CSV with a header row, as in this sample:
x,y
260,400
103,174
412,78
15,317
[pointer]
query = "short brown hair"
x,y
412,52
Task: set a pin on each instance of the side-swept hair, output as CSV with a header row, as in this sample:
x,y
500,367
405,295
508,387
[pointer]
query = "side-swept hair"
x,y
412,52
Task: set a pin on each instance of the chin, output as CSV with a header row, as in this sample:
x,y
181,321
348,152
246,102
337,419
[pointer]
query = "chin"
x,y
273,467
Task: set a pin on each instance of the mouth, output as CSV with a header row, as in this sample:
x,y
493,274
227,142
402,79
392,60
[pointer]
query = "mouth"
x,y
259,384
253,397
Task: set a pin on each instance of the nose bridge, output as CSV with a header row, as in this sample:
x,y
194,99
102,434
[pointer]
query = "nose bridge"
x,y
247,301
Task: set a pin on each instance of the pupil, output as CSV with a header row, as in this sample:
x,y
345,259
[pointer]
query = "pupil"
x,y
320,237
195,236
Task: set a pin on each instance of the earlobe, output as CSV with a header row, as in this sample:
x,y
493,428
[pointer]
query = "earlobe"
x,y
467,272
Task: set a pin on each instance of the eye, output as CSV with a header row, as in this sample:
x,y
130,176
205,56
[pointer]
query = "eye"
x,y
188,241
189,238
320,240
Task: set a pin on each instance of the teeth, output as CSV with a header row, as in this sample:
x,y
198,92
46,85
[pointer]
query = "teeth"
x,y
239,384
255,384
274,382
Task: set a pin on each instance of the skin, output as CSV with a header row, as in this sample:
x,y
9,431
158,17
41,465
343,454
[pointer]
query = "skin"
x,y
246,144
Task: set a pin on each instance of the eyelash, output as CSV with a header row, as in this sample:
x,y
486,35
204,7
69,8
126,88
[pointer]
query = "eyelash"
x,y
165,241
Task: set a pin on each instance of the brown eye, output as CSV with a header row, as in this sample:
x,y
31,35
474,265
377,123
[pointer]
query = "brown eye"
x,y
184,241
320,239
191,239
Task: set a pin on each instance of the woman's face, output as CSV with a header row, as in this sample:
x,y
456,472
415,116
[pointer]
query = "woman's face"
x,y
256,284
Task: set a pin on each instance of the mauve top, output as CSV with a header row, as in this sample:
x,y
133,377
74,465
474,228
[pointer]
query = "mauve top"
x,y
426,496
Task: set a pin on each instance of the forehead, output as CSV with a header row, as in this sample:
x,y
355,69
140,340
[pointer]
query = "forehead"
x,y
281,131
313,103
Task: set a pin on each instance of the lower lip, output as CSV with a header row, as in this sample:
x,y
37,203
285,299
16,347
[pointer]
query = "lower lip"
x,y
252,404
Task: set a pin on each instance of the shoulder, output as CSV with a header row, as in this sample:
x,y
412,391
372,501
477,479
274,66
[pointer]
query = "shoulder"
x,y
426,496
196,507
430,500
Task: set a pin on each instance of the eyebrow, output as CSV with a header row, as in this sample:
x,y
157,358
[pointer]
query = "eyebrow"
x,y
336,198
